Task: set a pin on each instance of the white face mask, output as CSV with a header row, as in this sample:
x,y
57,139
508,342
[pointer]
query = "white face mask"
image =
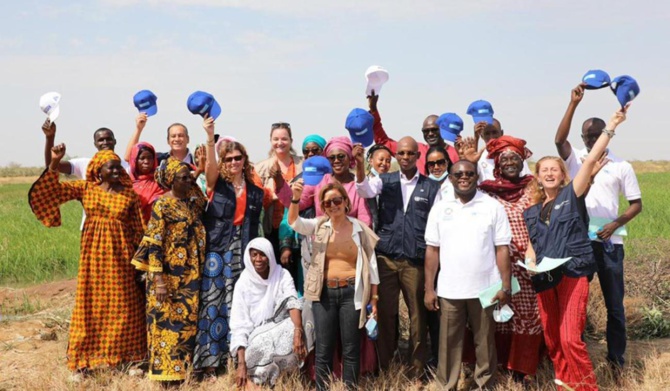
x,y
373,171
502,314
440,178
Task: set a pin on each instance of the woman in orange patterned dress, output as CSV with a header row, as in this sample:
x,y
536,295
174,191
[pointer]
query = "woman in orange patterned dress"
x,y
108,321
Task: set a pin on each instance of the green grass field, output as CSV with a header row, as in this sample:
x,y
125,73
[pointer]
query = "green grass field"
x,y
30,252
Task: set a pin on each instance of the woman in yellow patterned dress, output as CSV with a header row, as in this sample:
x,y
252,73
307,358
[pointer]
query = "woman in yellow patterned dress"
x,y
172,252
107,326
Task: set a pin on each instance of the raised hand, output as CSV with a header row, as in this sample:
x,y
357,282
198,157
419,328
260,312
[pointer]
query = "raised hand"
x,y
359,154
372,101
141,121
577,93
49,128
208,125
618,117
57,153
467,149
479,128
275,169
296,189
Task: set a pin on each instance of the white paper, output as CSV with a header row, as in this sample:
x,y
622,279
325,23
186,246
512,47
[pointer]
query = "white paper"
x,y
546,265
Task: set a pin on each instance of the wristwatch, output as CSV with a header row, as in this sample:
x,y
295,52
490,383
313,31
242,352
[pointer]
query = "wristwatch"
x,y
507,291
295,201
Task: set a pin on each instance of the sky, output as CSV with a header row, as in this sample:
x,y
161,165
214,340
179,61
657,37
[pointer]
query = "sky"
x,y
303,62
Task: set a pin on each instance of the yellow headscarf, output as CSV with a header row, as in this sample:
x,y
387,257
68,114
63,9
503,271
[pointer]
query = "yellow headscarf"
x,y
99,160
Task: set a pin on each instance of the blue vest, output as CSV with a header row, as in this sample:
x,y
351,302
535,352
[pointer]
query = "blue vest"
x,y
401,232
221,212
565,236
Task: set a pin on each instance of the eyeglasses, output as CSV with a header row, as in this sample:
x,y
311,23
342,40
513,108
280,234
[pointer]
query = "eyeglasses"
x,y
429,130
315,151
337,201
237,158
406,153
440,162
339,156
281,125
461,174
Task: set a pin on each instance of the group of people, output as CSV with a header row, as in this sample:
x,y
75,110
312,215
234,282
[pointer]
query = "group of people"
x,y
188,260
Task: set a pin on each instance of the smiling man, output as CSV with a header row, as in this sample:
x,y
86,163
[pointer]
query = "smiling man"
x,y
405,199
467,237
177,139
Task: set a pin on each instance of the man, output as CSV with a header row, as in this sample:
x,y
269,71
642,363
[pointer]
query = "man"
x,y
405,198
430,130
602,203
488,132
468,237
177,138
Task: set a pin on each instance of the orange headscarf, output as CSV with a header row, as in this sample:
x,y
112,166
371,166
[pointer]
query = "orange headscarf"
x,y
99,160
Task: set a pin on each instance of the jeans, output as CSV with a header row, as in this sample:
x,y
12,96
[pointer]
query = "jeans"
x,y
610,275
334,311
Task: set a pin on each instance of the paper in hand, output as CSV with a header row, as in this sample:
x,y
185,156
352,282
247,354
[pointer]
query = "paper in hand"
x,y
546,265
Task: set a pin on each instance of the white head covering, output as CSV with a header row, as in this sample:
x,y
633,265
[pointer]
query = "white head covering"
x,y
259,291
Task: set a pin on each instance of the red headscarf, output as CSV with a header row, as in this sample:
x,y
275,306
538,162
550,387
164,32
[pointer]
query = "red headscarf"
x,y
145,185
508,190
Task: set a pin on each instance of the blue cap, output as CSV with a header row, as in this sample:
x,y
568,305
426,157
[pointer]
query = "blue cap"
x,y
202,103
451,125
359,124
314,168
625,88
481,110
596,79
145,101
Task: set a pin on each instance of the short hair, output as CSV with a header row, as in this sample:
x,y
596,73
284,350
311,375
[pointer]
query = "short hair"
x,y
177,124
462,161
95,134
594,121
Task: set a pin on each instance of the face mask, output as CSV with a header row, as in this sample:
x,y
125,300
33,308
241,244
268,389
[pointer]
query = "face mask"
x,y
373,171
440,178
502,314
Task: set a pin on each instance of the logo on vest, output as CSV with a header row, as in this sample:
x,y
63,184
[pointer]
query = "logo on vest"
x,y
566,202
420,199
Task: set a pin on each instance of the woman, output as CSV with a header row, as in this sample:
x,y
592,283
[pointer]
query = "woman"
x,y
558,228
379,161
173,252
283,162
341,281
231,220
106,280
265,325
339,151
438,164
143,164
518,341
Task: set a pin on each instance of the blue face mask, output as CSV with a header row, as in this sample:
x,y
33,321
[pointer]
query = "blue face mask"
x,y
373,171
440,178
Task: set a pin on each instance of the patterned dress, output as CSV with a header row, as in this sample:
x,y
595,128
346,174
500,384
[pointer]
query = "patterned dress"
x,y
174,244
107,325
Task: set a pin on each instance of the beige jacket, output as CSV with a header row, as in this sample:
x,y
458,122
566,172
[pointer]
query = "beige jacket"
x,y
367,273
263,170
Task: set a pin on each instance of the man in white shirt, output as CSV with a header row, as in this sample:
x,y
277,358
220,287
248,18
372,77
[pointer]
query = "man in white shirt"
x,y
468,237
405,199
485,166
602,203
177,139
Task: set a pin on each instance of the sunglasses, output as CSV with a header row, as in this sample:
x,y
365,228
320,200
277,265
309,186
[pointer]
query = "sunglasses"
x,y
461,174
281,125
429,130
237,158
183,178
337,201
440,162
315,151
406,153
339,156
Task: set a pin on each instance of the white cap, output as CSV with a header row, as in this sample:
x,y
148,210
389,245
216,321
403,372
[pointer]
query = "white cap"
x,y
376,77
49,104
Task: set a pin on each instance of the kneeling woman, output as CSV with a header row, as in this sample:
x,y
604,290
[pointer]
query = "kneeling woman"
x,y
265,321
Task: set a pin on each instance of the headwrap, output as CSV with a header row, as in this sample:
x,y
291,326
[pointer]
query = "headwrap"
x,y
344,144
168,170
145,185
316,139
508,190
99,160
262,291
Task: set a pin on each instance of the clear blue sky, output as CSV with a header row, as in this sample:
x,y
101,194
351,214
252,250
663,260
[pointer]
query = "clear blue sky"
x,y
303,62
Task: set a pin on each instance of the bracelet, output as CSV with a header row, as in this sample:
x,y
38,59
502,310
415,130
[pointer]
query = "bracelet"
x,y
295,201
298,329
374,297
609,133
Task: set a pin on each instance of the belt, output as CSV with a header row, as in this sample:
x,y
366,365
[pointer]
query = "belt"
x,y
335,283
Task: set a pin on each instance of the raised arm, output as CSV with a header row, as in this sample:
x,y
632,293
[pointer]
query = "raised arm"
x,y
140,123
49,129
380,136
561,140
582,180
211,168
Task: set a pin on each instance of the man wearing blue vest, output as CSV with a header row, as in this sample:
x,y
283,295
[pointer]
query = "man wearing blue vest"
x,y
405,199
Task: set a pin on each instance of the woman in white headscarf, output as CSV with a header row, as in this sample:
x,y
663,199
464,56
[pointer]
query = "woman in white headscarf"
x,y
265,321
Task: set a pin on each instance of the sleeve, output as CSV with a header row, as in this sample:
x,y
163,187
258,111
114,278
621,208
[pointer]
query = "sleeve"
x,y
286,233
374,269
307,197
438,197
48,193
288,291
432,234
631,189
284,195
304,226
369,188
268,196
134,223
503,232
241,324
573,164
150,255
380,135
79,166
363,211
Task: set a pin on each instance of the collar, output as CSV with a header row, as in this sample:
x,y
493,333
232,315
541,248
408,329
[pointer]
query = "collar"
x,y
477,198
356,229
405,179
